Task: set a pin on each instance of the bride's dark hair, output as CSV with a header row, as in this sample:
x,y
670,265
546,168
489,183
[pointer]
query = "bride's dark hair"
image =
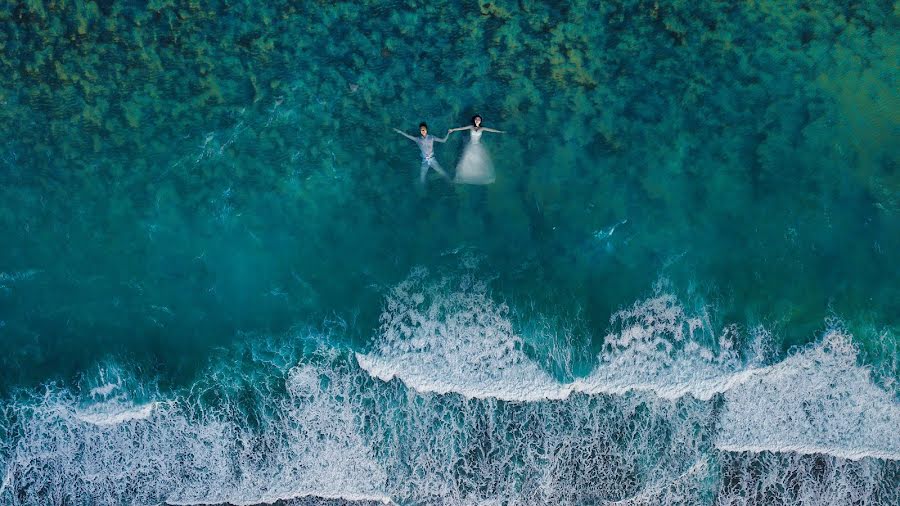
x,y
477,116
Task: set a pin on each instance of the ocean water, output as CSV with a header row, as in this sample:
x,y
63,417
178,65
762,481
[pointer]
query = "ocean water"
x,y
221,283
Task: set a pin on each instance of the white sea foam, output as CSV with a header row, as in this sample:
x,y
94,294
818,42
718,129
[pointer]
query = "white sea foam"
x,y
294,495
103,390
657,348
333,432
450,337
792,478
201,448
682,489
459,342
112,413
671,414
816,401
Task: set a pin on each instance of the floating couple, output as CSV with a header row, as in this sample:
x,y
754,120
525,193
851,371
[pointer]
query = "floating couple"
x,y
474,167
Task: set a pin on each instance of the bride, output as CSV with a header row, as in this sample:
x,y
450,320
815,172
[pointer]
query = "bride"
x,y
475,166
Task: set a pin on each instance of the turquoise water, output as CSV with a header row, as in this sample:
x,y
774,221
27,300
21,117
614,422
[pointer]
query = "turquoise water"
x,y
219,281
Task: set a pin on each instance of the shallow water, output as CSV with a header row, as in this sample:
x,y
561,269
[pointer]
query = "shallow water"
x,y
217,268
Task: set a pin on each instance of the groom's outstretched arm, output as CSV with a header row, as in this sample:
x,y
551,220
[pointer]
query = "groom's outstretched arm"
x,y
404,134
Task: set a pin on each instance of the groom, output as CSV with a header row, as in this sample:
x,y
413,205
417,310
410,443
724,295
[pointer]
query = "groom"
x,y
426,144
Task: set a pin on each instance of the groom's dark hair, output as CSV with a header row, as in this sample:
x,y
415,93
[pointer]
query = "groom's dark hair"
x,y
423,124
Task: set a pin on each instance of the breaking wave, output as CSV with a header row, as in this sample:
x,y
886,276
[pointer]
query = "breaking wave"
x,y
817,401
451,406
237,438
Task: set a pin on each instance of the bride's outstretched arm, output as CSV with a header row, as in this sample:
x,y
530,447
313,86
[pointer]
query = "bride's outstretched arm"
x,y
404,134
467,127
486,129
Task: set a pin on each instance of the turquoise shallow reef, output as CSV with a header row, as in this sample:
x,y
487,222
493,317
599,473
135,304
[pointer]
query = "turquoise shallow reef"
x,y
221,283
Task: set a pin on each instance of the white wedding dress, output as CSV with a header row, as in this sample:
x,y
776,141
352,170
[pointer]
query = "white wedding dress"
x,y
475,166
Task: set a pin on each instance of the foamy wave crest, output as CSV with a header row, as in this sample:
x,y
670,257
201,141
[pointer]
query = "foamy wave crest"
x,y
293,437
816,401
114,413
300,419
656,347
324,428
256,430
451,337
109,400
